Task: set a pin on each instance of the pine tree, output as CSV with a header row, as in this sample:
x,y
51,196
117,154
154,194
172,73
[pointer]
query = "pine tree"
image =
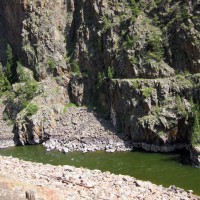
x,y
9,63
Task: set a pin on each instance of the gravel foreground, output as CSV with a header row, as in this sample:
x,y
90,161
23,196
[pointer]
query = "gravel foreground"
x,y
21,180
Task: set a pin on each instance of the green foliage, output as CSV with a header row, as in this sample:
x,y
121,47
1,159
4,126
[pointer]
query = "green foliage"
x,y
195,139
147,92
157,2
101,76
111,72
4,84
130,42
133,60
23,94
156,19
52,64
180,106
9,64
76,67
184,13
107,24
31,109
157,110
69,105
154,48
135,84
134,8
22,75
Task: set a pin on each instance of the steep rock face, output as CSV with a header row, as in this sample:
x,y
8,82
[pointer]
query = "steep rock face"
x,y
182,20
12,13
152,111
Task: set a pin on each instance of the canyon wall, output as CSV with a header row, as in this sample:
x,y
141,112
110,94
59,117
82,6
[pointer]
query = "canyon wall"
x,y
137,61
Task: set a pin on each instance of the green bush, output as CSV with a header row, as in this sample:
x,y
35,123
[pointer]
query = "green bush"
x,y
135,84
4,84
31,109
147,92
101,76
154,47
180,106
111,72
76,68
134,8
107,25
195,138
52,64
9,64
22,75
133,60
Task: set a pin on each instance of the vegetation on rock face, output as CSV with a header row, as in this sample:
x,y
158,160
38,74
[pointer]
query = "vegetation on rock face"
x,y
106,22
181,107
110,72
76,68
21,95
9,64
4,83
195,139
154,47
134,9
31,109
52,65
147,92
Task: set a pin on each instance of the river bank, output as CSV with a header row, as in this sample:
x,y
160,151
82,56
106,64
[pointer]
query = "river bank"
x,y
81,129
67,182
6,135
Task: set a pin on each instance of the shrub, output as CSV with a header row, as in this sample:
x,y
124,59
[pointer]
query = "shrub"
x,y
195,138
180,106
111,72
9,64
133,60
22,75
135,84
76,67
4,84
154,48
147,92
107,25
101,76
134,8
52,64
31,109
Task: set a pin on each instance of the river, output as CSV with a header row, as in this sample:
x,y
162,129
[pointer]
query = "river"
x,y
161,169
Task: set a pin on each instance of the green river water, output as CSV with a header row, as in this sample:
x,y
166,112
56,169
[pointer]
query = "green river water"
x,y
161,169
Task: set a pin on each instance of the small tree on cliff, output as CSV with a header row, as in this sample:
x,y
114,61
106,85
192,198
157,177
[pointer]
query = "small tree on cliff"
x,y
9,64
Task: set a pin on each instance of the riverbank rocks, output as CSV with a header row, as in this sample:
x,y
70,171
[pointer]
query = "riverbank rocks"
x,y
6,135
67,182
81,129
195,155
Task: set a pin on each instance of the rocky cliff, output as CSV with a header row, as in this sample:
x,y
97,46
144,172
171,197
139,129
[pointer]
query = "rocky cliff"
x,y
137,61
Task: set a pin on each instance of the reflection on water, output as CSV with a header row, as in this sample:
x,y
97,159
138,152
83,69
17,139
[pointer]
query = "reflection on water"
x,y
162,169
